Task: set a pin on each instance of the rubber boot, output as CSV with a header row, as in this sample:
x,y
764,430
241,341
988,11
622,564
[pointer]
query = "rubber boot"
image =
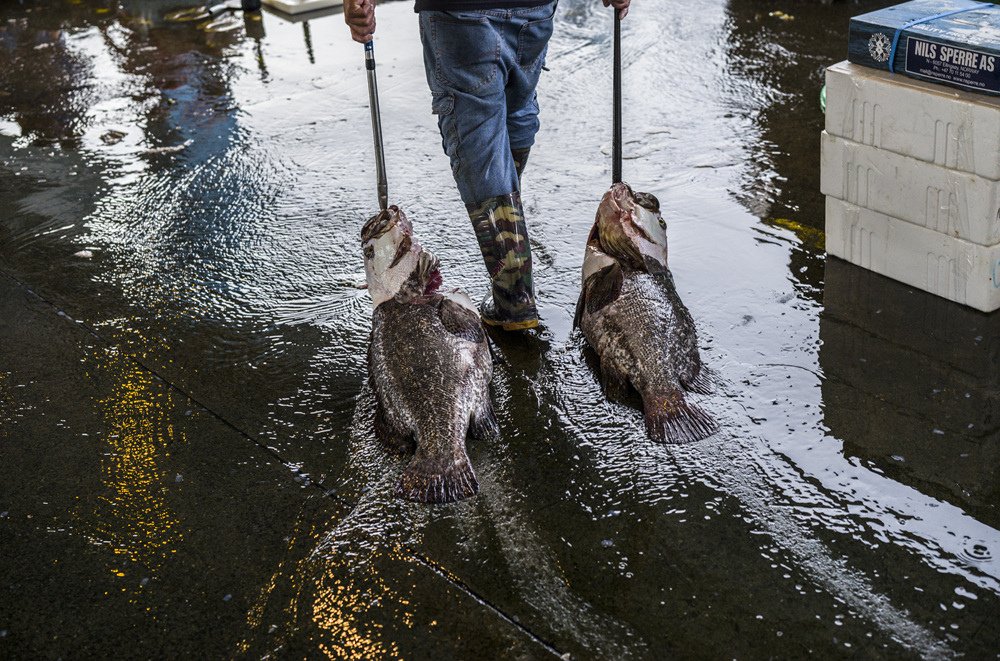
x,y
520,160
503,240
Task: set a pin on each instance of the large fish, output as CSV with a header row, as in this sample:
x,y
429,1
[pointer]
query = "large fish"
x,y
429,364
631,315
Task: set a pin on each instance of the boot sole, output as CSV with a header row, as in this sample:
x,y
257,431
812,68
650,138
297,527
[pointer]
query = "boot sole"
x,y
512,325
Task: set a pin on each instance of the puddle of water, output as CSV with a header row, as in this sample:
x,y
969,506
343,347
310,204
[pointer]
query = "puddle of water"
x,y
221,178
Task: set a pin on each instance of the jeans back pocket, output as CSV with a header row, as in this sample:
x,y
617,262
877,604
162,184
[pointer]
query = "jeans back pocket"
x,y
466,51
532,42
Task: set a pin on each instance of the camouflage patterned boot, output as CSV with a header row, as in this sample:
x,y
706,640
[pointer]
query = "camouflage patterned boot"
x,y
503,240
520,160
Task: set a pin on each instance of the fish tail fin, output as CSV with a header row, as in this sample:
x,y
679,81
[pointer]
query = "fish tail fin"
x,y
671,419
438,480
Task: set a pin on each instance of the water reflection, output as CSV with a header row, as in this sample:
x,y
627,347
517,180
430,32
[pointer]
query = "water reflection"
x,y
327,597
40,68
778,66
912,387
362,584
798,521
133,514
210,261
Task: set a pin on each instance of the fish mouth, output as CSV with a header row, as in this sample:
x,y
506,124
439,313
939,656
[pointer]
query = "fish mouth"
x,y
389,225
630,228
396,265
615,225
384,221
619,193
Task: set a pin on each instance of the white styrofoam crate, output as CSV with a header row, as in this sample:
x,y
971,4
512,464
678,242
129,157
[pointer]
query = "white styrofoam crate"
x,y
958,270
955,203
299,6
959,130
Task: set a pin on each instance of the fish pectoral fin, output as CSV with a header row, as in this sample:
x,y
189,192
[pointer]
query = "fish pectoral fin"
x,y
671,419
392,439
460,321
581,303
484,425
614,382
603,287
701,382
429,479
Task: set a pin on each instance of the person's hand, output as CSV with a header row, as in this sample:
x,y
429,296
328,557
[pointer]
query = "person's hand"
x,y
360,17
620,5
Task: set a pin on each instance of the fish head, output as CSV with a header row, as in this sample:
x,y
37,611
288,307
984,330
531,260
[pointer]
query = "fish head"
x,y
630,228
396,266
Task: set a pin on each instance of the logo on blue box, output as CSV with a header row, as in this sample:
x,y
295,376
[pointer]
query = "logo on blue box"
x,y
880,47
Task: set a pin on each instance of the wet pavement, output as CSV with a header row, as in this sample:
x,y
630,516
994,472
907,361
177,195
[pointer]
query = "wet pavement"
x,y
186,446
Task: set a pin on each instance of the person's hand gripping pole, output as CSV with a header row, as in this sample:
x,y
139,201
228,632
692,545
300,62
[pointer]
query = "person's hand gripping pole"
x,y
360,17
621,7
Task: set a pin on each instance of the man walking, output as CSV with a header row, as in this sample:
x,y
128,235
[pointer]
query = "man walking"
x,y
483,59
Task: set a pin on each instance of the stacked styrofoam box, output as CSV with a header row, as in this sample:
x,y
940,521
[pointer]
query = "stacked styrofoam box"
x,y
301,6
911,171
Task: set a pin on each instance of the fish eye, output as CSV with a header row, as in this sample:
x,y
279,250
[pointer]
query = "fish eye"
x,y
663,223
369,251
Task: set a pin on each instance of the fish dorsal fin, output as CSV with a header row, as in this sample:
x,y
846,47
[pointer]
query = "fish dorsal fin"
x,y
601,289
460,321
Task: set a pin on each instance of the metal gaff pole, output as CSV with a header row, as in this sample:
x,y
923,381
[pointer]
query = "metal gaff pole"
x,y
383,185
616,138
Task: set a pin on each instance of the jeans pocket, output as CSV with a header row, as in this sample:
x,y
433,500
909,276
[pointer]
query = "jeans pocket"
x,y
466,51
532,42
442,104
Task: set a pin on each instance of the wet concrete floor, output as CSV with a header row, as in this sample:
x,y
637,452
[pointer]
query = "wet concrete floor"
x,y
187,459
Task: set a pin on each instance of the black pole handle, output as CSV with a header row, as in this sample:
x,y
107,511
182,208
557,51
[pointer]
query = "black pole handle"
x,y
616,137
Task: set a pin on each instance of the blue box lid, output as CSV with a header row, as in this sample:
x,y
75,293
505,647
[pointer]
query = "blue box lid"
x,y
953,42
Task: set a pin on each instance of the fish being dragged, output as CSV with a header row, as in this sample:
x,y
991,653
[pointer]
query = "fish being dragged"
x,y
429,364
631,315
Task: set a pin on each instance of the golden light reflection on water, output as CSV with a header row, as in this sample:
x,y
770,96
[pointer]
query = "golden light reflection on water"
x,y
338,596
344,605
132,515
342,589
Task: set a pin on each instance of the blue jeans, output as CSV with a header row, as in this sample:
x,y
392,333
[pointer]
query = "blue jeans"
x,y
482,67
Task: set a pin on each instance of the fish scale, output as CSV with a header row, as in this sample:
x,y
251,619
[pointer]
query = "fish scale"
x,y
429,384
643,335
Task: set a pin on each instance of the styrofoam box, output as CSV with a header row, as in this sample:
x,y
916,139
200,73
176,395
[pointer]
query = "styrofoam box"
x,y
959,130
958,270
299,6
959,204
